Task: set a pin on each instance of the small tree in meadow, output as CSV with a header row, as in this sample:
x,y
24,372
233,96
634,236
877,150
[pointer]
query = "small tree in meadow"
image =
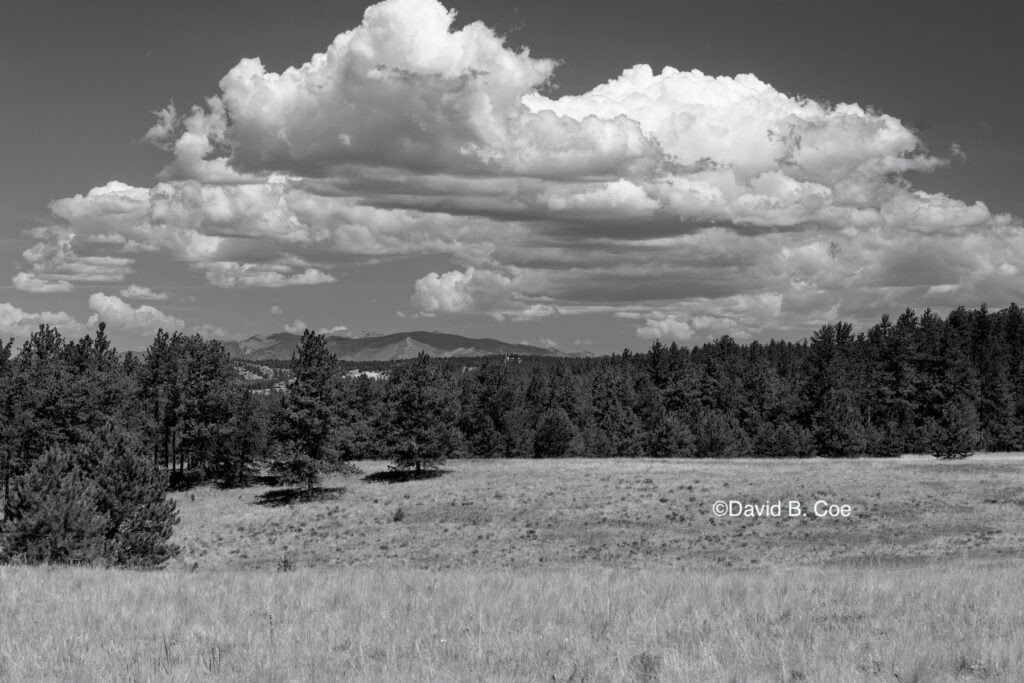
x,y
307,419
422,411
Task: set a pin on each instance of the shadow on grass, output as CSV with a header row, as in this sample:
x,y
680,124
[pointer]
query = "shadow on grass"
x,y
280,497
399,476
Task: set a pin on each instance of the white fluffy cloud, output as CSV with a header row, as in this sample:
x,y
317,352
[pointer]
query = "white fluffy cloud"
x,y
673,197
297,327
144,293
475,290
337,330
120,314
17,322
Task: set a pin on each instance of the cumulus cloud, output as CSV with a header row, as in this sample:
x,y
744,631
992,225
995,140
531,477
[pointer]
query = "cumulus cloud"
x,y
337,330
297,327
276,310
17,322
27,282
473,290
675,198
144,293
120,314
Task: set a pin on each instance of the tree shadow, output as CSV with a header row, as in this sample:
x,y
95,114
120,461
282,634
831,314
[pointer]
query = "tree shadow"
x,y
291,496
399,476
185,481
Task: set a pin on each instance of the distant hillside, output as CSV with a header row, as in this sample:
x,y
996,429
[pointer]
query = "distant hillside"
x,y
396,346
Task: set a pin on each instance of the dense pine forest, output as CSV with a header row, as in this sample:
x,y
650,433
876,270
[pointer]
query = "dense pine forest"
x,y
92,438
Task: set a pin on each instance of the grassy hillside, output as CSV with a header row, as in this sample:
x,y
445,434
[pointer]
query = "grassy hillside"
x,y
557,571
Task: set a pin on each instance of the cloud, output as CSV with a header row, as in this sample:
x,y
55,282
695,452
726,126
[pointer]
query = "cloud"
x,y
120,314
276,310
692,204
26,282
230,274
17,322
401,90
212,332
474,290
337,330
296,327
55,259
144,293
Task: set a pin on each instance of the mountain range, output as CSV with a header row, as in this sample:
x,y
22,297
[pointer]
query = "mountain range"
x,y
397,346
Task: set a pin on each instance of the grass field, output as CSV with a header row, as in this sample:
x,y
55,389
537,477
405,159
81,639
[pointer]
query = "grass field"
x,y
575,570
646,514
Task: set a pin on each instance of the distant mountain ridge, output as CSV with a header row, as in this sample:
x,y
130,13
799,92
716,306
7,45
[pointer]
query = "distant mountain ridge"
x,y
397,346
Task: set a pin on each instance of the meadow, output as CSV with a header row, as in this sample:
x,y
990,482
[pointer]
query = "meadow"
x,y
567,570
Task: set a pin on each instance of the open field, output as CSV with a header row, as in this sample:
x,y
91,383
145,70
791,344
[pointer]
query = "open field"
x,y
637,514
578,570
565,625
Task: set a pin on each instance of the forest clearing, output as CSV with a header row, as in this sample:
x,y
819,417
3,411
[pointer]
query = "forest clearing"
x,y
567,570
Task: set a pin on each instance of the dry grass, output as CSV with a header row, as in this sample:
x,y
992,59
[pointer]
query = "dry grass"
x,y
362,624
646,514
558,571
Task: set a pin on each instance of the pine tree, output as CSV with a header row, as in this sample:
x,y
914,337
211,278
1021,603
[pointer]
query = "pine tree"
x,y
54,514
131,492
719,435
307,419
838,427
956,434
556,435
617,431
783,440
245,441
420,423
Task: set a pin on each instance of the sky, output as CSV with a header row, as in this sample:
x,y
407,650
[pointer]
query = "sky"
x,y
591,176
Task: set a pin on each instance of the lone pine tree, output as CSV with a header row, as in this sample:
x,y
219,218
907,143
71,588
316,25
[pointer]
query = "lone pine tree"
x,y
421,416
307,419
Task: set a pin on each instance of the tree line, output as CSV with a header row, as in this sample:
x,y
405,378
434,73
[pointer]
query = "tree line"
x,y
91,439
